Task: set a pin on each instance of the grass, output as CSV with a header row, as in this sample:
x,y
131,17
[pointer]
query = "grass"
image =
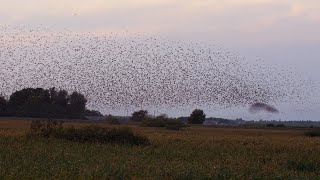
x,y
195,153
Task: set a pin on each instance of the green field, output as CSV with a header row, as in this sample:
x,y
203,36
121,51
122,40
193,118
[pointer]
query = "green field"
x,y
194,153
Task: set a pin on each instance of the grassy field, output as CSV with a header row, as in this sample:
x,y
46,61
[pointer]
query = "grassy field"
x,y
194,153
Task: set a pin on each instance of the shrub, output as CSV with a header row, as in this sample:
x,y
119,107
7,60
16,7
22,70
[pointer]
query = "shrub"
x,y
139,116
153,122
307,166
90,134
95,134
280,125
313,133
174,124
45,128
270,125
169,123
112,120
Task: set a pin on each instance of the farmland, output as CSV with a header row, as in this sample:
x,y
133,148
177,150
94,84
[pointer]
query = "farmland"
x,y
196,152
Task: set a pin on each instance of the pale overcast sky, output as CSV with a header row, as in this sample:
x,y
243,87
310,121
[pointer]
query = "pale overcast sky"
x,y
284,32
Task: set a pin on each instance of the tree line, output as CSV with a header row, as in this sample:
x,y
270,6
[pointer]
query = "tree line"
x,y
45,103
53,103
196,117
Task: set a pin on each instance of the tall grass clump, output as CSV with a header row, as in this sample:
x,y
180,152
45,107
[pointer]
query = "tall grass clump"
x,y
88,134
307,166
313,133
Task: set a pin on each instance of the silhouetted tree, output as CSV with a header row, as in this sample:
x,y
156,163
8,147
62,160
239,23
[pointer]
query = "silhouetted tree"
x,y
29,102
138,116
197,117
59,103
3,106
77,105
61,98
46,103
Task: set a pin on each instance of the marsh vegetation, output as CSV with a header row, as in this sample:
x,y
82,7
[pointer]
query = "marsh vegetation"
x,y
195,152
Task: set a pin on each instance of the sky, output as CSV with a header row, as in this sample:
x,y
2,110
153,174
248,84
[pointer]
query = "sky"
x,y
282,32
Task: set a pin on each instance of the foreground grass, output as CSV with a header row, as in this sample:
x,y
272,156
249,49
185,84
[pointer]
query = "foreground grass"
x,y
195,153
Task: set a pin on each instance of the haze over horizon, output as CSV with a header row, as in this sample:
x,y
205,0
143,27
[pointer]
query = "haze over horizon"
x,y
283,33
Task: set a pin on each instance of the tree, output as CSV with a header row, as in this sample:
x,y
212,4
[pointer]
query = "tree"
x,y
197,117
61,98
29,102
77,105
3,106
138,116
59,103
45,103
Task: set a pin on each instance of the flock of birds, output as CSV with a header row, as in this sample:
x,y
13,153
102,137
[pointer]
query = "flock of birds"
x,y
124,70
257,107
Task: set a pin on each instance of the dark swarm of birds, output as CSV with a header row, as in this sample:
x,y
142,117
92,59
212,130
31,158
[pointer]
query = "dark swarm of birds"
x,y
258,107
127,70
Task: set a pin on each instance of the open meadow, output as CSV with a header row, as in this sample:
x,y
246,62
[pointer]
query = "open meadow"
x,y
196,152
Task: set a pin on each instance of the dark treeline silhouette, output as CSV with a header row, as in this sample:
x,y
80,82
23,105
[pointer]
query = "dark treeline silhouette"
x,y
59,104
45,103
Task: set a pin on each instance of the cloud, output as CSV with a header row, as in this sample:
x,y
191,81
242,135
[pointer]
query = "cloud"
x,y
62,7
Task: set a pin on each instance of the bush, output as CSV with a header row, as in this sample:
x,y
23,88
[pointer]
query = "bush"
x,y
307,166
169,123
313,133
138,116
112,120
90,134
281,125
270,125
153,122
45,129
175,124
